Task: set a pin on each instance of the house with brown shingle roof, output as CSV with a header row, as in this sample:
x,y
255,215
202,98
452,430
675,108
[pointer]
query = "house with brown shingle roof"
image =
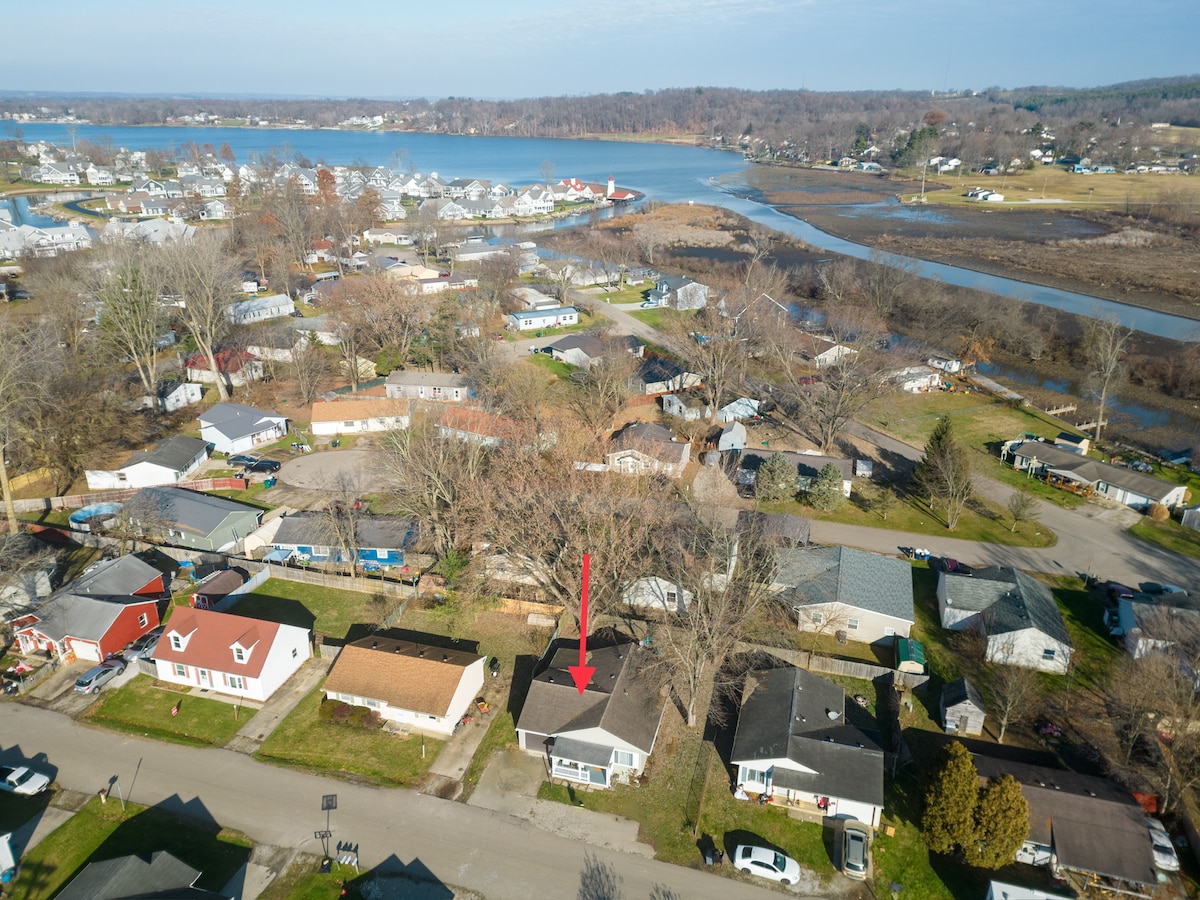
x,y
602,735
229,654
353,416
407,681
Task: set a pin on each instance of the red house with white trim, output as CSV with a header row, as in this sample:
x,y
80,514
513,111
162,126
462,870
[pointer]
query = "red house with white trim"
x,y
249,658
100,612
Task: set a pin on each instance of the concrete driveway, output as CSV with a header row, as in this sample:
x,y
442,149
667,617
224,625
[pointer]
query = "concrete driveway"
x,y
341,471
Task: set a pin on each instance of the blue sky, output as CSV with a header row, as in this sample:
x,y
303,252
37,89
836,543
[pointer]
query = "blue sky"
x,y
531,48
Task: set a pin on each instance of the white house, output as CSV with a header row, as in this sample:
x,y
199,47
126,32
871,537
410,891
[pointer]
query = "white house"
x,y
823,353
169,462
643,448
418,685
260,309
1015,613
604,734
387,235
653,592
1157,624
229,654
173,395
556,317
733,437
808,467
1061,466
678,292
865,596
235,428
689,407
916,379
741,408
443,387
236,367
355,416
793,744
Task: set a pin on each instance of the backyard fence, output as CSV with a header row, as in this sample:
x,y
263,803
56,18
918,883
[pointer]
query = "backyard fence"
x,y
78,501
830,666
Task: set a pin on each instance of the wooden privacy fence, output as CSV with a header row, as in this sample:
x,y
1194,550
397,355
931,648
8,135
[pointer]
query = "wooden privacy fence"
x,y
78,501
830,666
361,583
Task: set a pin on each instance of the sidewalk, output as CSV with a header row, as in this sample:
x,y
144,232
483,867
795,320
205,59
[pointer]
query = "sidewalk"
x,y
276,709
510,784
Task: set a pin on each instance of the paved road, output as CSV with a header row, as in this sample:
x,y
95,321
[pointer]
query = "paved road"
x,y
499,856
1093,538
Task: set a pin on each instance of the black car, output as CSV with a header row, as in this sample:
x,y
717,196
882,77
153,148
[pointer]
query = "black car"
x,y
268,466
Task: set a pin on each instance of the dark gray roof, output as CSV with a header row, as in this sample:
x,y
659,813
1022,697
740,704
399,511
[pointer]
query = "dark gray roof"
x,y
653,440
786,714
656,369
175,453
619,699
1092,471
153,876
123,575
377,532
82,616
1093,825
234,420
590,344
1014,601
807,464
582,751
189,511
867,581
962,691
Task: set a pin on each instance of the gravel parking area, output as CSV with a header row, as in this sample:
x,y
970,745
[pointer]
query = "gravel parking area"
x,y
350,471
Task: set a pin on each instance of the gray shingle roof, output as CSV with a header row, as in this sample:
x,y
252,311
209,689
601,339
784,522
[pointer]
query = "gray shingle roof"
x,y
1014,601
82,616
962,691
786,714
1092,471
234,420
190,511
377,532
1093,825
855,578
807,465
175,453
429,379
154,875
618,700
123,575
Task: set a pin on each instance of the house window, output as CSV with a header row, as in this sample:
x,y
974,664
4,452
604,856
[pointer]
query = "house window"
x,y
672,598
348,424
143,620
623,758
852,624
176,642
1048,653
294,653
237,682
889,632
817,618
754,776
239,654
373,704
180,670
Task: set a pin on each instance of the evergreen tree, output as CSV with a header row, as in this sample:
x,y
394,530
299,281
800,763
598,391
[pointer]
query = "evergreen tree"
x,y
826,491
950,800
1001,824
777,479
944,474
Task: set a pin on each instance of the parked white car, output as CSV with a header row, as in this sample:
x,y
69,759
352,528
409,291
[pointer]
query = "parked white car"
x,y
1165,857
22,780
767,863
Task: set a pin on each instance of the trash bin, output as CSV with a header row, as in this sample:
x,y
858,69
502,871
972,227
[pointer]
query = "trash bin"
x,y
335,442
269,482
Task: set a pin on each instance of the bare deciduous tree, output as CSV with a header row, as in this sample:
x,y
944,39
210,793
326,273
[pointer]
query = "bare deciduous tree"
x,y
1012,691
25,357
129,287
1105,343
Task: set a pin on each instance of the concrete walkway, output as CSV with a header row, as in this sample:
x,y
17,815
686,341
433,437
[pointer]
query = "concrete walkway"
x,y
510,784
277,707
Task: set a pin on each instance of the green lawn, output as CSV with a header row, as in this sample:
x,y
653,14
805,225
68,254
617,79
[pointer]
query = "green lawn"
x,y
981,521
550,364
1095,653
660,318
303,741
1169,535
103,831
981,421
143,706
322,609
630,293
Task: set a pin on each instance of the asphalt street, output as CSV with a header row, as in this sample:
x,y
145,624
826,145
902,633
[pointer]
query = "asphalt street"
x,y
497,855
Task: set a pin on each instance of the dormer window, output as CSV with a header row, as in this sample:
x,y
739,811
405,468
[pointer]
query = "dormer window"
x,y
176,642
239,654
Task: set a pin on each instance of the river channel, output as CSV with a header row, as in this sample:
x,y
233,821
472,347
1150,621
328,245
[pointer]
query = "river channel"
x,y
662,172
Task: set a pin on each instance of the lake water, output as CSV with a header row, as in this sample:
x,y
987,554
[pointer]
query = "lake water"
x,y
661,172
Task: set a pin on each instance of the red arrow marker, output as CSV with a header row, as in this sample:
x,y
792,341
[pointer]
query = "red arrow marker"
x,y
583,673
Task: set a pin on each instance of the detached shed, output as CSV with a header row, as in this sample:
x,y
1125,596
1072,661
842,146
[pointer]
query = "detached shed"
x,y
962,708
910,656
